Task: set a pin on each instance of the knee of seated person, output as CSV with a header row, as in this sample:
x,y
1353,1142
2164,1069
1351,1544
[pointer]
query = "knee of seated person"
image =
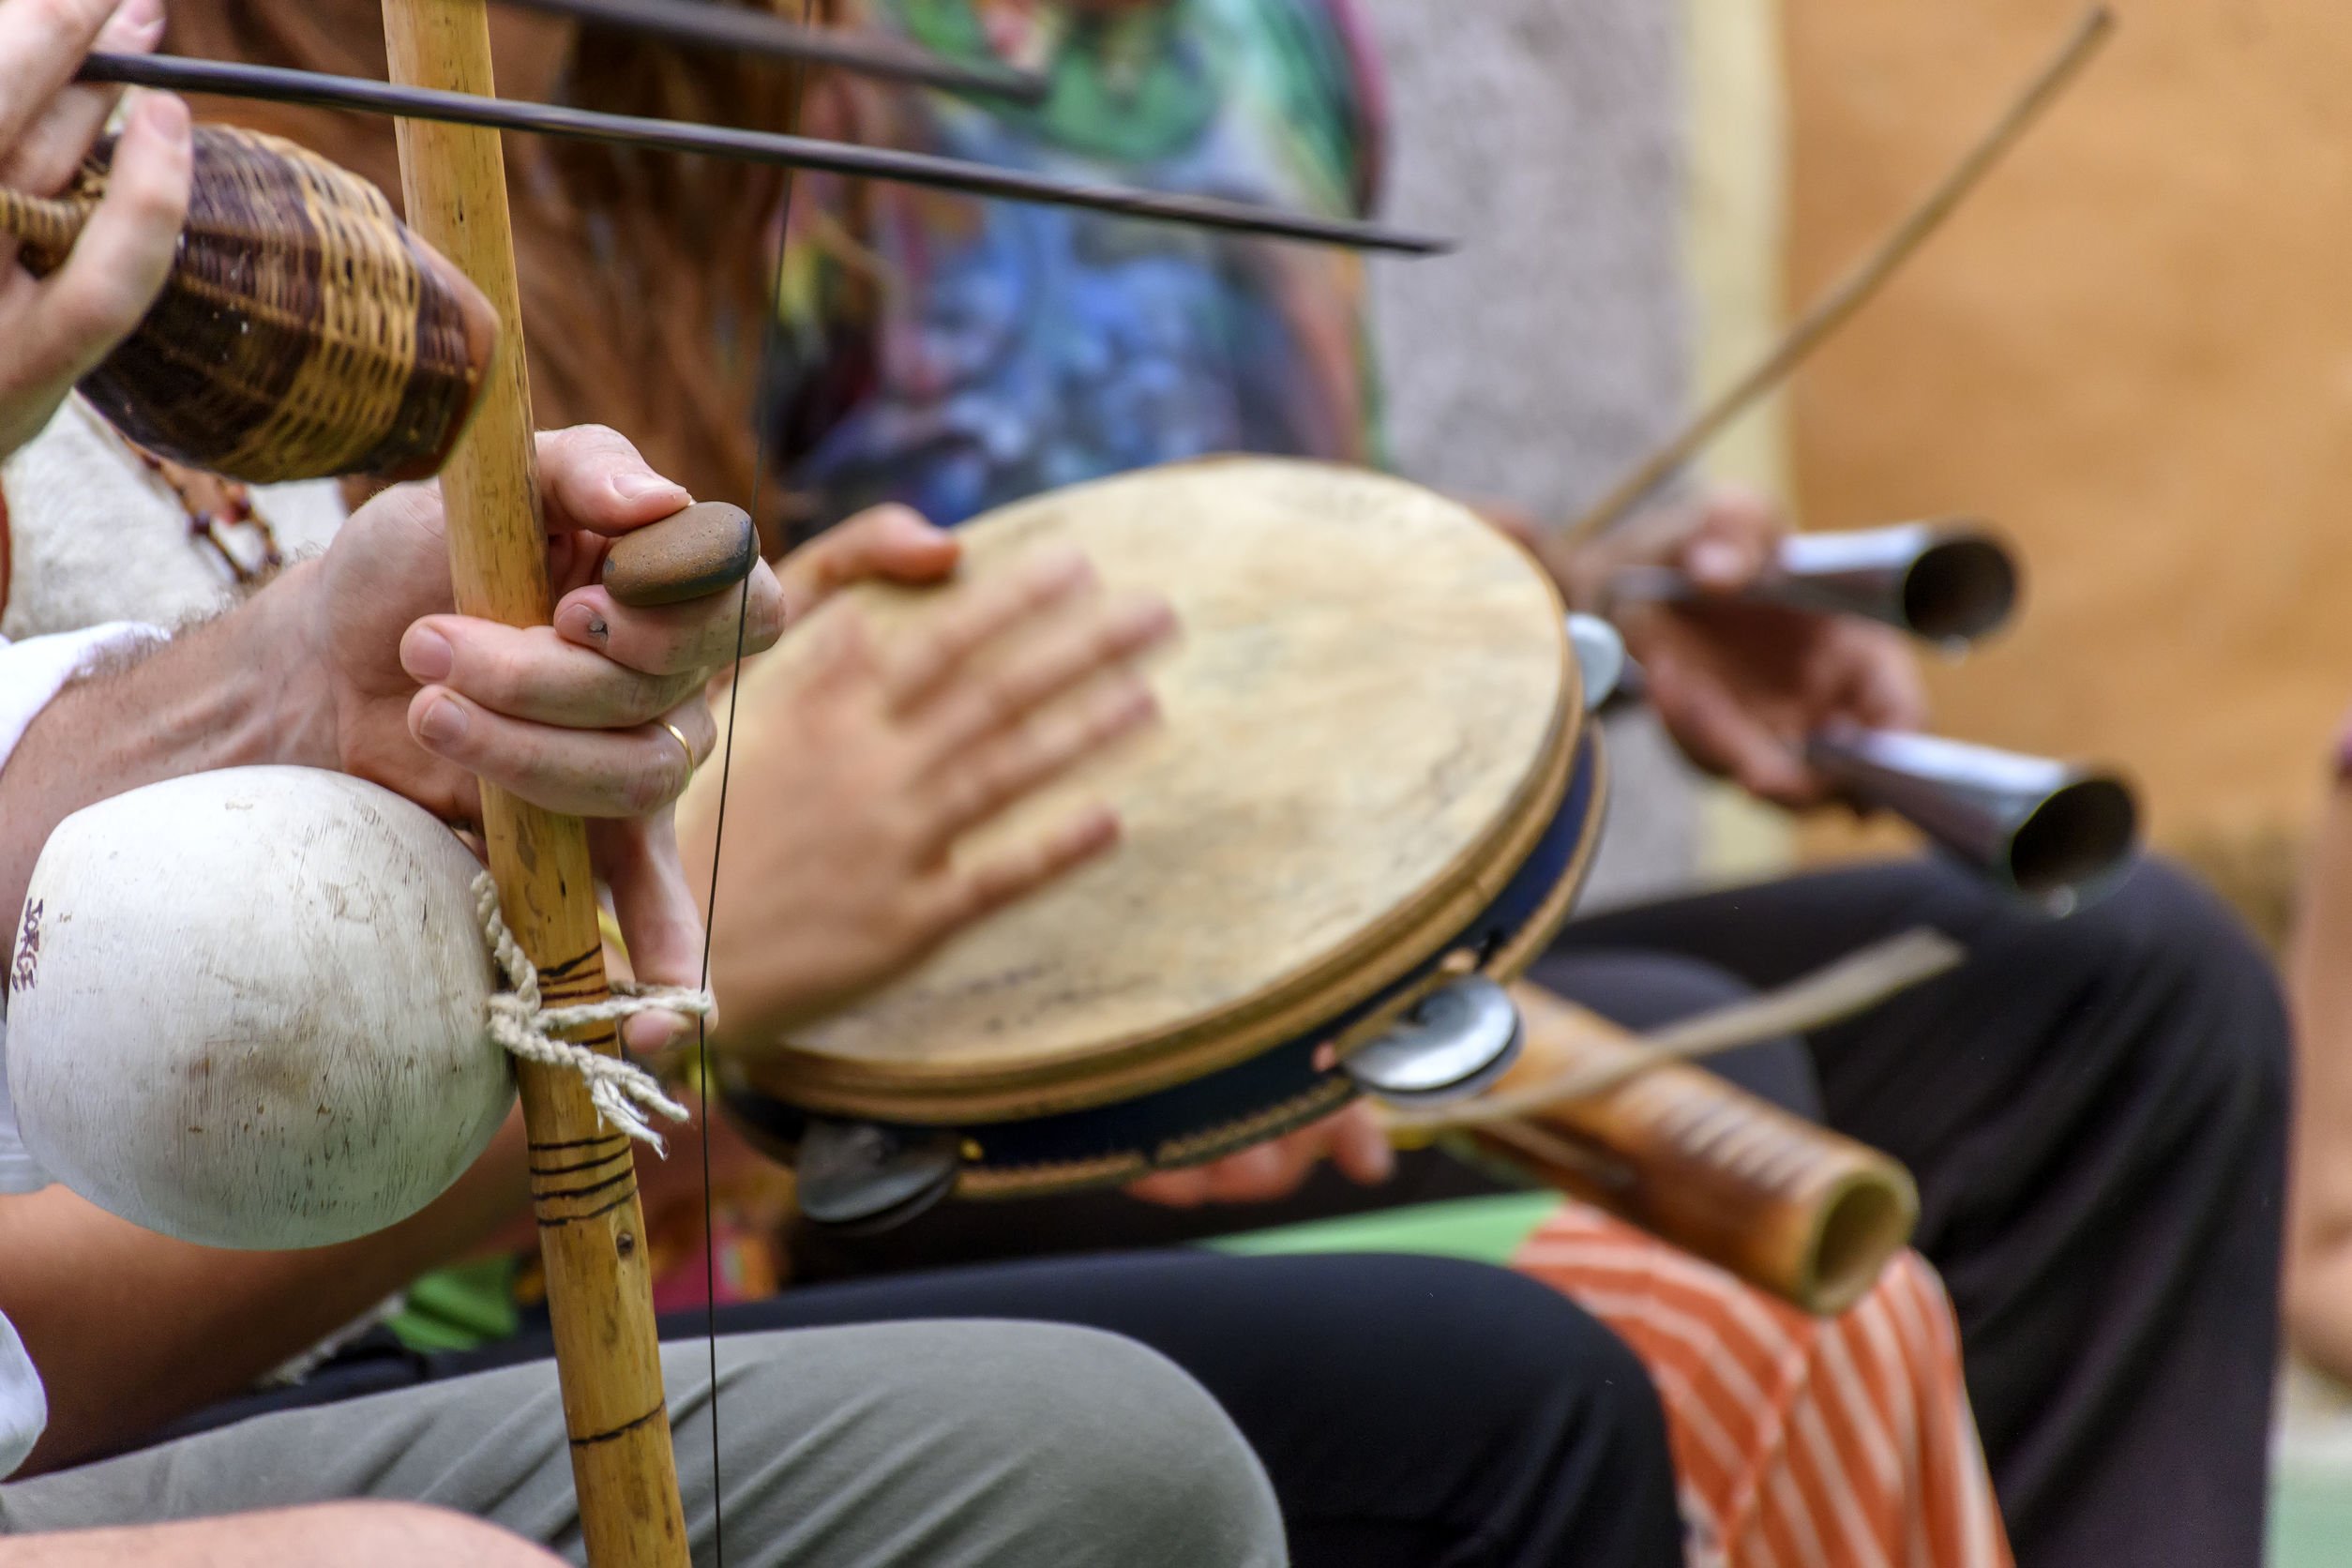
x,y
1095,1435
2165,940
1141,1447
1524,1353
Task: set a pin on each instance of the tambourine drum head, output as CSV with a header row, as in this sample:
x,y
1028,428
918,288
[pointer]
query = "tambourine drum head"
x,y
1367,727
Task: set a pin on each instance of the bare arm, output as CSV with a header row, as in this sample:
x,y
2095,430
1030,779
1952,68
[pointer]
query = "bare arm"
x,y
335,1535
131,1330
224,695
2319,976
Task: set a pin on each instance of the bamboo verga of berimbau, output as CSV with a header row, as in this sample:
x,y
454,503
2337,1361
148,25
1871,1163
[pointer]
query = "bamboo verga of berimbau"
x,y
583,1172
303,331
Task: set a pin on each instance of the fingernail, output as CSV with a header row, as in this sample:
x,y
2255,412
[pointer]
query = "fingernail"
x,y
1382,1164
650,1033
135,20
1149,619
578,623
445,723
1715,559
1061,564
634,488
426,655
163,113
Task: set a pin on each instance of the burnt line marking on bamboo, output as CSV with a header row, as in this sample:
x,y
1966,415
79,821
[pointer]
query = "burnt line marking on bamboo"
x,y
569,968
552,1146
578,1165
556,1195
551,1222
586,1438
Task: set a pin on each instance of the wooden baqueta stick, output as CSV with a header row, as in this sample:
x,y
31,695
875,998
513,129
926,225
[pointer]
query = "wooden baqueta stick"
x,y
583,1177
1853,292
700,24
410,102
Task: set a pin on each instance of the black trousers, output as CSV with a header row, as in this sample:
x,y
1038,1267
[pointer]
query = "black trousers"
x,y
2095,1108
1413,1412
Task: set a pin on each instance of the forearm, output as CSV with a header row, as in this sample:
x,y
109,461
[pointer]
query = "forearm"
x,y
239,690
131,1330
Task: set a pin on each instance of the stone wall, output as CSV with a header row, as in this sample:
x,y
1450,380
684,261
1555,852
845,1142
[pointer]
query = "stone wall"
x,y
1554,346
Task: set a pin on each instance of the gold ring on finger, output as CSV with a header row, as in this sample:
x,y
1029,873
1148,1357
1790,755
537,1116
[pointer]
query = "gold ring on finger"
x,y
684,745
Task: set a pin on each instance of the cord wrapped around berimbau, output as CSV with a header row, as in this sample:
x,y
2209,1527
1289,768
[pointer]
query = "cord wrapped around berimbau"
x,y
303,333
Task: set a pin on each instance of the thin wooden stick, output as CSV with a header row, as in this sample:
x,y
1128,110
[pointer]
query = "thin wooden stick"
x,y
275,84
583,1173
1855,290
700,24
1860,980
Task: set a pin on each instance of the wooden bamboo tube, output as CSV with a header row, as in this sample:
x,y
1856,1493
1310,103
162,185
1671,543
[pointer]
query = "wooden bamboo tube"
x,y
1808,1215
583,1173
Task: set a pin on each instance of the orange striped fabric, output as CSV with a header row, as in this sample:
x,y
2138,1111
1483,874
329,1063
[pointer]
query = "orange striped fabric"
x,y
1798,1442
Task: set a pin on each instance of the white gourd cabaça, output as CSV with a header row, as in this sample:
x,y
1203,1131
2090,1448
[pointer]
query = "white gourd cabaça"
x,y
246,1009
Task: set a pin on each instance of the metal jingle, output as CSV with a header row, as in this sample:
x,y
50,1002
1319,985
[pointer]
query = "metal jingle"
x,y
1458,1041
1601,657
858,1177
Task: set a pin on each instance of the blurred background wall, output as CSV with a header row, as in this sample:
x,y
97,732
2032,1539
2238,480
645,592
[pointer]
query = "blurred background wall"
x,y
2134,352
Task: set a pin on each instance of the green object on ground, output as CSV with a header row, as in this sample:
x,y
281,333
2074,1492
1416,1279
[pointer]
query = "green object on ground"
x,y
461,1308
2310,1513
1483,1230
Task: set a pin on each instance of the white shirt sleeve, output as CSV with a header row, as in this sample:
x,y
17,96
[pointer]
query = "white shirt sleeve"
x,y
24,1403
33,671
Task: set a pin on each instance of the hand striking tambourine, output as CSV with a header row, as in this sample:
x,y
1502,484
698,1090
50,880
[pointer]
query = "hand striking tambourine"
x,y
1371,802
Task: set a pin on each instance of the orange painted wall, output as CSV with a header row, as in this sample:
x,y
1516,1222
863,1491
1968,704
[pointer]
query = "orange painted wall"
x,y
2134,350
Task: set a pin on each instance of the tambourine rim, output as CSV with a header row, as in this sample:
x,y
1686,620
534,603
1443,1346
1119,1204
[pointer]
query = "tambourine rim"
x,y
984,1182
957,1094
991,1172
1124,1070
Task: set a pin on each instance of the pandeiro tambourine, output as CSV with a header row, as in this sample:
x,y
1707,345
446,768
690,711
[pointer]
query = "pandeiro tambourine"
x,y
1370,804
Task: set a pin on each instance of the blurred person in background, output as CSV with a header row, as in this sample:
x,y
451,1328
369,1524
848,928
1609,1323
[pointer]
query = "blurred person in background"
x,y
2095,1108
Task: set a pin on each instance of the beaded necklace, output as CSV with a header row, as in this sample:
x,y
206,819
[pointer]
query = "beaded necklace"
x,y
214,507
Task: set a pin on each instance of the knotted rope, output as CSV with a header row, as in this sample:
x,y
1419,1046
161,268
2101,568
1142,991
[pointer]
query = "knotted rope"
x,y
623,1092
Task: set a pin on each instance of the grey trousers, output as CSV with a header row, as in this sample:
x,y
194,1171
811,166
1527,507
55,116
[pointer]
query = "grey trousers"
x,y
987,1445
